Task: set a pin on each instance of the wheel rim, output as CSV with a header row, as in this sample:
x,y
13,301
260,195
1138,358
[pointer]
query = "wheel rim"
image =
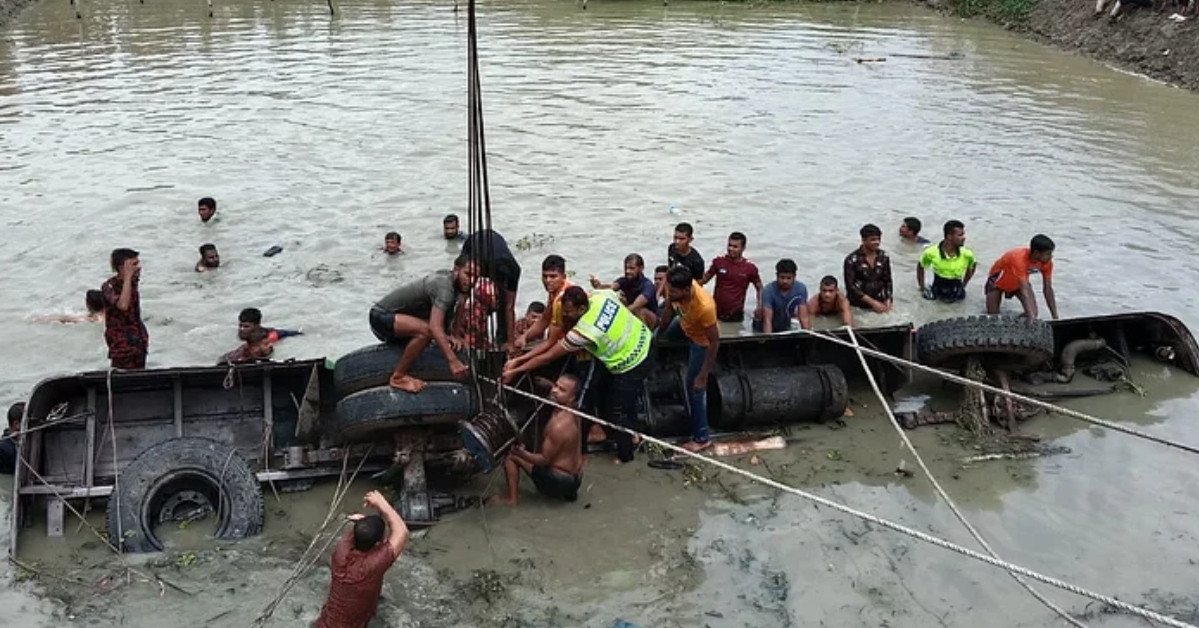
x,y
183,495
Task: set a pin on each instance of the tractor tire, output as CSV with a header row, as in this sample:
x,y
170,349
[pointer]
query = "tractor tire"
x,y
371,366
197,473
1013,344
365,415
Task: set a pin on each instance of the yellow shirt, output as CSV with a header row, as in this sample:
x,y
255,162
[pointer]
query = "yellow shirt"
x,y
698,316
555,300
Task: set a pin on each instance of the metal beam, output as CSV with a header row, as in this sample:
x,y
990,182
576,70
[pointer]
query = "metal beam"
x,y
268,419
178,399
89,456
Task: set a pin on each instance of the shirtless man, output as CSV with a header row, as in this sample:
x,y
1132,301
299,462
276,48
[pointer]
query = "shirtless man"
x,y
93,300
557,471
830,302
210,259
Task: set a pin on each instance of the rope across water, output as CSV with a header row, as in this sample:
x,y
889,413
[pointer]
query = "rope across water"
x,y
891,525
953,507
1081,416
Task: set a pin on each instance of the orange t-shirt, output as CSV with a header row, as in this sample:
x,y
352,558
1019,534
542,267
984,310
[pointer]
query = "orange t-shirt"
x,y
698,316
555,305
1013,267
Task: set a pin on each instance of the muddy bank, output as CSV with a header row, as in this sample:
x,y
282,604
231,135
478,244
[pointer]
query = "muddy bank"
x,y
1140,40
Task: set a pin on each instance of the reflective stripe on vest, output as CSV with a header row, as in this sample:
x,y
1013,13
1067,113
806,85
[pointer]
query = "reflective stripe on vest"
x,y
621,340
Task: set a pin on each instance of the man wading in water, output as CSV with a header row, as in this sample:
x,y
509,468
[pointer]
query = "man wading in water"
x,y
358,564
557,471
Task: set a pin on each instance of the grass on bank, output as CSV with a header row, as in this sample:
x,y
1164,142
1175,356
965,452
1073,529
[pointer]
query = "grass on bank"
x,y
1011,12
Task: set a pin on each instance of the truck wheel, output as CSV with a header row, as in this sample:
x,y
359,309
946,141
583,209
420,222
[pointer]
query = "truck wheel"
x,y
183,479
372,366
365,415
1008,343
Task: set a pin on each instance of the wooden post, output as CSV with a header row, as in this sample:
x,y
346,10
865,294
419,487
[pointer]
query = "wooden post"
x,y
331,11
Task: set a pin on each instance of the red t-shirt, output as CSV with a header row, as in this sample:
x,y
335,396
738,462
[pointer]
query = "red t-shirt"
x,y
356,584
733,278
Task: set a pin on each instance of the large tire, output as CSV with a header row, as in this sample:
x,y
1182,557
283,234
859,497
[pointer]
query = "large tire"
x,y
197,472
999,341
372,366
365,415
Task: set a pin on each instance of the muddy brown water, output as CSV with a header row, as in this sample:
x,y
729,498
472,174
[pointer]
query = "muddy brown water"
x,y
321,134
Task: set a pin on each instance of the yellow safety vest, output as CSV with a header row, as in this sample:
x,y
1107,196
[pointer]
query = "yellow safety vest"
x,y
621,340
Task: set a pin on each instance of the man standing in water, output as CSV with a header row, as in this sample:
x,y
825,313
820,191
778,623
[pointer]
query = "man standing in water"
x,y
697,315
206,208
830,302
1010,274
909,231
680,253
8,440
952,263
126,335
868,273
419,312
358,565
209,258
620,342
637,292
734,275
783,299
450,229
557,469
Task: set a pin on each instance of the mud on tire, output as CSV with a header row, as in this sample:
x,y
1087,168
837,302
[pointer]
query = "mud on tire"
x,y
178,478
365,415
372,366
999,341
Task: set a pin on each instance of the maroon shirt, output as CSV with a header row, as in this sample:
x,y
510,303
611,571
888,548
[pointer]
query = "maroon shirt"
x,y
124,331
733,278
356,584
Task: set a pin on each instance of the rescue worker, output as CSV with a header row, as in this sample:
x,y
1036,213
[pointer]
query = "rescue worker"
x,y
620,342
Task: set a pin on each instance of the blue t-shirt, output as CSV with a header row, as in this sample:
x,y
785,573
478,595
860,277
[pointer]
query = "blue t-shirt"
x,y
781,305
633,288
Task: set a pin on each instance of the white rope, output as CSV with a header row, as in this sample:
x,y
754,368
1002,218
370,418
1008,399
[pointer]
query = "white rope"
x,y
927,538
309,558
1086,418
953,507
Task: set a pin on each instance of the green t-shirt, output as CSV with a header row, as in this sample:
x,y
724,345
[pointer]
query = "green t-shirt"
x,y
947,267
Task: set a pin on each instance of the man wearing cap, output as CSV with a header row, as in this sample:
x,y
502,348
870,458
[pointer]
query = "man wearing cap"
x,y
618,340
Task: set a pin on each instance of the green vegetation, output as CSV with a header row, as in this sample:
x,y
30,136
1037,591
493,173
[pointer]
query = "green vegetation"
x,y
1010,12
